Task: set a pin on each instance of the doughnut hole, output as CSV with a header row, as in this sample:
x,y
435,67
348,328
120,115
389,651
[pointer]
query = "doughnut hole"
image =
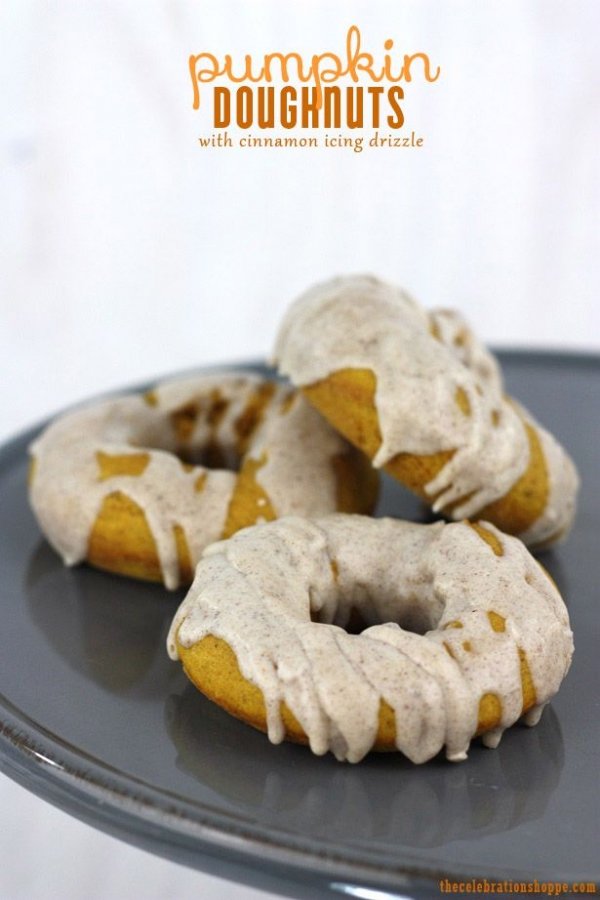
x,y
355,608
193,429
209,452
354,619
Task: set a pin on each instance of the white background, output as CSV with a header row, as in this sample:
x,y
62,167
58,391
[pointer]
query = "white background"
x,y
127,252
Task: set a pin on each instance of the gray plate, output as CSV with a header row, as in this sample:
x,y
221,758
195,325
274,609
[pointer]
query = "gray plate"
x,y
95,718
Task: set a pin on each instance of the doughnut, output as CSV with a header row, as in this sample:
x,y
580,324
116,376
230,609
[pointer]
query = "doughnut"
x,y
141,484
463,634
424,400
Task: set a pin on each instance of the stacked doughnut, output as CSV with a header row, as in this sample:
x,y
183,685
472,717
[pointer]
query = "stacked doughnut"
x,y
424,400
317,623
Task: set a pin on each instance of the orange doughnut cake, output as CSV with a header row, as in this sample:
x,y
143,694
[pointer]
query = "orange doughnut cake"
x,y
464,634
141,484
424,400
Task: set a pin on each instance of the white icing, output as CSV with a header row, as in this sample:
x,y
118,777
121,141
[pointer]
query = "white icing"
x,y
257,592
67,493
360,322
301,477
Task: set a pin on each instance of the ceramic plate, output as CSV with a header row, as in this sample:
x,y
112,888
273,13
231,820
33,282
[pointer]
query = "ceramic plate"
x,y
95,718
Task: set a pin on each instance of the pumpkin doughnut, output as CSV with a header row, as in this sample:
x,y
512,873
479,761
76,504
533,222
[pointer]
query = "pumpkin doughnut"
x,y
424,400
141,484
465,633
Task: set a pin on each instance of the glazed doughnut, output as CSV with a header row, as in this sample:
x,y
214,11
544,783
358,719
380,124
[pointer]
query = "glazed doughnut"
x,y
141,484
467,634
425,401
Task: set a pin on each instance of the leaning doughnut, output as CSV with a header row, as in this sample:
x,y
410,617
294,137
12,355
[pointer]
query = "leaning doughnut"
x,y
424,400
467,634
141,484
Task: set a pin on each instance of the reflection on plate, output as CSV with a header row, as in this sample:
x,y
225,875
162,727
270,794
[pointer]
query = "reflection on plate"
x,y
392,799
114,648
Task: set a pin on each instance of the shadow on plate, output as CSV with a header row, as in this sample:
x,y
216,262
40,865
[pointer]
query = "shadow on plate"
x,y
384,797
397,501
110,629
